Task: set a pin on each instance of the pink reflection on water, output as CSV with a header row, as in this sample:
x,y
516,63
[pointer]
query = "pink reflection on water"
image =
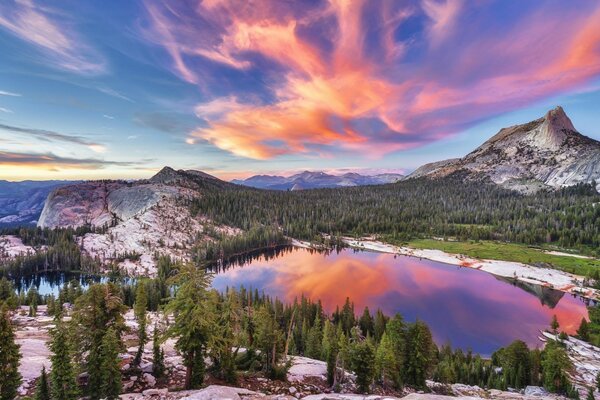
x,y
466,307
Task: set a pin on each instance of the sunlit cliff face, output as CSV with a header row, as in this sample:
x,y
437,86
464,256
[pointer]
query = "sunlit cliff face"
x,y
466,307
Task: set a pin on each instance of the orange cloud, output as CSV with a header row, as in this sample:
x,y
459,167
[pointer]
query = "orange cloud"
x,y
338,77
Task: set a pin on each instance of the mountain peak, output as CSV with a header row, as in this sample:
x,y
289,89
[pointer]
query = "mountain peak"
x,y
165,175
553,131
558,119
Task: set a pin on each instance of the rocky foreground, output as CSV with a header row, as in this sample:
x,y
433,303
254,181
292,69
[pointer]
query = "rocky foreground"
x,y
306,379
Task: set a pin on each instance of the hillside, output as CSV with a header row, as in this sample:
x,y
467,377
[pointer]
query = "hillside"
x,y
546,152
131,222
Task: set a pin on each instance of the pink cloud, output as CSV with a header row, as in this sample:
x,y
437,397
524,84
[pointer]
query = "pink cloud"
x,y
342,85
40,26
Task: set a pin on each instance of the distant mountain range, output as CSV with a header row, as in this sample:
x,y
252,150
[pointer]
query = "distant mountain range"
x,y
546,152
316,180
21,202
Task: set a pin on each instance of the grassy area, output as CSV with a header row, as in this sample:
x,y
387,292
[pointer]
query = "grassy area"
x,y
509,252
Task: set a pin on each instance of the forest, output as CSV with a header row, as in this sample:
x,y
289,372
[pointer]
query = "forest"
x,y
417,208
384,352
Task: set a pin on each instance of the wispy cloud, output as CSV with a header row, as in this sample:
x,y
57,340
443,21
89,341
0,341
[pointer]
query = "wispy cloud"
x,y
52,136
162,121
331,82
4,93
54,161
111,92
5,110
108,116
50,32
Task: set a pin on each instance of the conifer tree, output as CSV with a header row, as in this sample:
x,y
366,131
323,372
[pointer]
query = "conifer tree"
x,y
554,325
555,366
10,378
194,321
314,340
63,384
97,310
110,365
140,308
420,348
584,331
387,370
366,323
42,391
362,359
158,355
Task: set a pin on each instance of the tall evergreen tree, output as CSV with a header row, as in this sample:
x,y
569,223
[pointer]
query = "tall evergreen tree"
x,y
139,309
362,359
42,391
10,378
366,323
158,355
555,366
386,364
583,332
194,321
63,383
110,365
419,357
554,325
97,310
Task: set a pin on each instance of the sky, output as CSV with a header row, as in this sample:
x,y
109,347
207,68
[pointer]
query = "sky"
x,y
119,89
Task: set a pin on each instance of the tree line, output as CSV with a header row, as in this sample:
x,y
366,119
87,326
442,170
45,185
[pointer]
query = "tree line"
x,y
450,207
241,329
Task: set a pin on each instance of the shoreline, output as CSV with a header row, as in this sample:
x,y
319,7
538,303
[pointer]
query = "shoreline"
x,y
547,277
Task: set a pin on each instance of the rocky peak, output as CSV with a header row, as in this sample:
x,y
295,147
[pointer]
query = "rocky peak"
x,y
545,152
165,175
554,129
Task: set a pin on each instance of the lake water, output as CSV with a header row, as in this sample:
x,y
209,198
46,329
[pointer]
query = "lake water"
x,y
466,307
462,306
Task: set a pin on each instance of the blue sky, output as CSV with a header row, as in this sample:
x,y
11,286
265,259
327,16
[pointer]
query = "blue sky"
x,y
118,89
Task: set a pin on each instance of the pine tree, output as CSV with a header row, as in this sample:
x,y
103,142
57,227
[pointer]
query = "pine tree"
x,y
366,323
194,321
419,358
314,340
362,359
583,331
97,310
110,365
555,365
42,391
387,369
554,325
10,378
63,384
140,308
158,355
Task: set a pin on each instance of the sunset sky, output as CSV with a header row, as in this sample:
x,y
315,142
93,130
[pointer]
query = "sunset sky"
x,y
119,89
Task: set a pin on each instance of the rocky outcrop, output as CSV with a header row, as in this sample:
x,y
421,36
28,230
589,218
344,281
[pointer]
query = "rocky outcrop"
x,y
547,152
22,202
138,220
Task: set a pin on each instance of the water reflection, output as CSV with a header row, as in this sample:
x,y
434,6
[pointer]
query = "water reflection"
x,y
465,307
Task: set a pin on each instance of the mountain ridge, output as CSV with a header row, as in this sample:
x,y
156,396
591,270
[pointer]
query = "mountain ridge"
x,y
316,180
546,152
